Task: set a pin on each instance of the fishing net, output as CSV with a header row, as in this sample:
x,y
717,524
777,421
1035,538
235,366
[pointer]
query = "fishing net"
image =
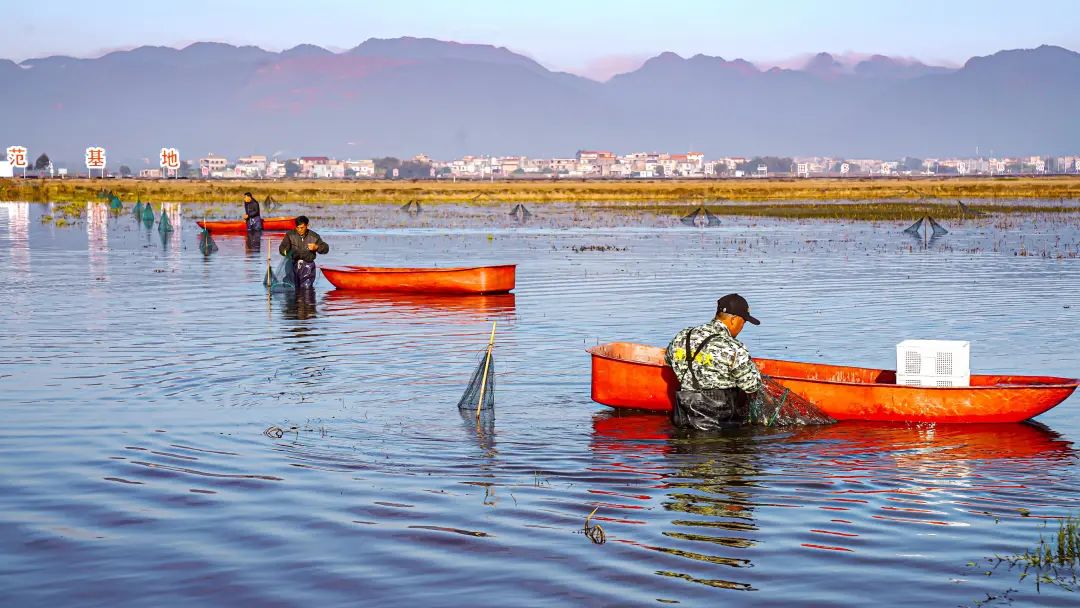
x,y
164,225
270,204
520,212
137,210
712,219
114,203
206,242
282,278
411,207
775,405
148,214
938,229
481,390
407,207
964,209
915,228
103,193
691,218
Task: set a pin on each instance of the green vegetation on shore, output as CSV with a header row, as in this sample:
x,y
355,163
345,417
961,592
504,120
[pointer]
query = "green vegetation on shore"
x,y
857,200
480,192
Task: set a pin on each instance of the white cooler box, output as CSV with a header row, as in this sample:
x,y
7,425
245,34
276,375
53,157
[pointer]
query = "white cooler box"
x,y
938,363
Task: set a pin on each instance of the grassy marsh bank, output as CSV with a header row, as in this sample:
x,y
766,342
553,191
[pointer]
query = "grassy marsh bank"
x,y
480,192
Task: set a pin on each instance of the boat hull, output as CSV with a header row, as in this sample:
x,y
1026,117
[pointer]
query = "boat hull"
x,y
271,224
634,376
475,280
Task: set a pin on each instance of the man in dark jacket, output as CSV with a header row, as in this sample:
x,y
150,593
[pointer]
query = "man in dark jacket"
x,y
303,245
251,213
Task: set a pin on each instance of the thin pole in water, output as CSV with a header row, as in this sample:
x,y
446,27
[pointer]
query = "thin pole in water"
x,y
268,275
487,364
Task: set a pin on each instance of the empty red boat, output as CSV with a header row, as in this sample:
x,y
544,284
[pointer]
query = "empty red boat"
x,y
627,375
280,224
473,280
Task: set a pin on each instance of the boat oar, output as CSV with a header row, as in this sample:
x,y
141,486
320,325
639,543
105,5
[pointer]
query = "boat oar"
x,y
487,364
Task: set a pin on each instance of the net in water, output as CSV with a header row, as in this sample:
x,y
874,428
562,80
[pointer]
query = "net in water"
x,y
481,389
206,242
148,214
520,212
915,228
776,405
115,204
283,277
164,225
712,219
137,210
690,219
966,211
938,229
270,204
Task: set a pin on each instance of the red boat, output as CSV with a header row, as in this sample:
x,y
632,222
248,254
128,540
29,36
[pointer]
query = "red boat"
x,y
627,375
474,280
279,224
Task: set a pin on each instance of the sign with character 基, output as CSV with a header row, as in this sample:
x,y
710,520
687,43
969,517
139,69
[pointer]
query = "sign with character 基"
x,y
95,159
170,161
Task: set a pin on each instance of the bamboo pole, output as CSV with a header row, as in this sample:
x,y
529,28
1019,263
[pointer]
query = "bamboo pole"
x,y
487,363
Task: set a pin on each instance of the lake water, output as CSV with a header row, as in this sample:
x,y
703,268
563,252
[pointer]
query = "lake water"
x,y
138,377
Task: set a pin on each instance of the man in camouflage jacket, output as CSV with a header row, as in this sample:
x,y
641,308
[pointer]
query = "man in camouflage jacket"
x,y
714,369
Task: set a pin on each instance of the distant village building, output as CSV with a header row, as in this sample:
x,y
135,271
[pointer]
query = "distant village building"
x,y
213,166
251,166
360,168
603,164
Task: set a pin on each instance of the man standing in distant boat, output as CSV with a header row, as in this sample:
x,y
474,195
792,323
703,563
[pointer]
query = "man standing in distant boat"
x,y
251,213
715,371
303,245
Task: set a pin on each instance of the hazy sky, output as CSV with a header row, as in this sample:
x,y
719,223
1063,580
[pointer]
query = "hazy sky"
x,y
592,37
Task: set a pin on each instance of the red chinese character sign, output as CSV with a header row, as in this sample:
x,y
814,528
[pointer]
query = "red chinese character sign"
x,y
170,160
16,156
95,159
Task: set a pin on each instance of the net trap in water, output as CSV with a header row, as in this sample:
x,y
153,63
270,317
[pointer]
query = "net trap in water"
x,y
480,393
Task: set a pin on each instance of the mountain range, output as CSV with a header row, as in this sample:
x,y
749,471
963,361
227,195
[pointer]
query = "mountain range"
x,y
405,96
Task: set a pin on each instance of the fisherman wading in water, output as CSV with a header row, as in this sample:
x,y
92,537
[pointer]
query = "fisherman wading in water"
x,y
251,213
715,372
302,245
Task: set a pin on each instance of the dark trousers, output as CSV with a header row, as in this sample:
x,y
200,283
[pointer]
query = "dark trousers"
x,y
305,274
254,224
710,409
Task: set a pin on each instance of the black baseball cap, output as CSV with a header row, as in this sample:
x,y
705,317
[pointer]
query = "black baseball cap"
x,y
734,304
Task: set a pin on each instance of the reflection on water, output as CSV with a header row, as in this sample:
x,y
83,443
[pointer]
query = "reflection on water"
x,y
135,465
18,234
920,475
417,306
253,243
298,305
